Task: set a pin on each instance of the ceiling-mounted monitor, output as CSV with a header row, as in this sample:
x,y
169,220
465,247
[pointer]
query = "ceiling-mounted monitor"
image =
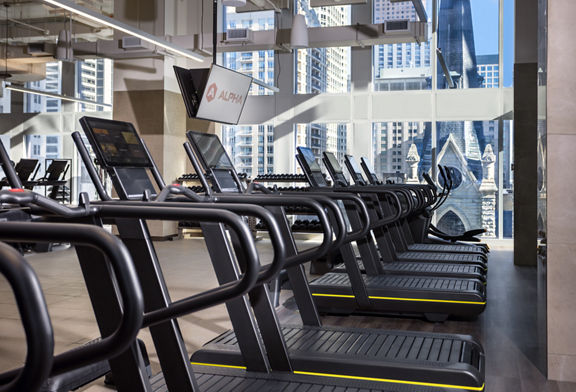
x,y
219,97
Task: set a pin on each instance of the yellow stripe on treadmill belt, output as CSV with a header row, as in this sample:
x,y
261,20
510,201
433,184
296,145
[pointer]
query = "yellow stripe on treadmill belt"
x,y
403,299
218,365
355,377
426,384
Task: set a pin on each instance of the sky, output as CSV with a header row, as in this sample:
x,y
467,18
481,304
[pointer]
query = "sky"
x,y
485,20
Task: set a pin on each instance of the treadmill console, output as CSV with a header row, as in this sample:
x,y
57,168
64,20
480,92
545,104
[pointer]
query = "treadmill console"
x,y
120,151
354,170
369,171
215,161
335,169
311,167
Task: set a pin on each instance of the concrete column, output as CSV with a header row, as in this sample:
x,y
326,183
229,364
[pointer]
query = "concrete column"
x,y
561,166
525,132
147,94
360,142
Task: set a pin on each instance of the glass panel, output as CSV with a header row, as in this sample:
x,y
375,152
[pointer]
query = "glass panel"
x,y
402,66
508,179
470,150
468,39
323,70
330,137
258,64
5,102
94,83
508,55
251,148
399,149
34,103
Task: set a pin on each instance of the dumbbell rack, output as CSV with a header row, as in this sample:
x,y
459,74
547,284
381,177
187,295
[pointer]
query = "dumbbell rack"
x,y
298,225
187,229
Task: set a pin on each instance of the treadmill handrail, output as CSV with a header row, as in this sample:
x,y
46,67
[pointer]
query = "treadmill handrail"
x,y
85,156
35,320
282,201
339,194
31,199
9,170
210,297
267,272
124,270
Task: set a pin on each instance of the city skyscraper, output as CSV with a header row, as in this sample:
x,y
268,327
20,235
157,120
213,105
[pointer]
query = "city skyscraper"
x,y
323,70
403,66
456,40
489,69
251,146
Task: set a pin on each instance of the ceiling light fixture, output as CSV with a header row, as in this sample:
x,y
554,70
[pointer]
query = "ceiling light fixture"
x,y
57,96
299,32
116,25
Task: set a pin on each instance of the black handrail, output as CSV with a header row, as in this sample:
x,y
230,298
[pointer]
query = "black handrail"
x,y
85,156
11,175
266,273
129,288
35,320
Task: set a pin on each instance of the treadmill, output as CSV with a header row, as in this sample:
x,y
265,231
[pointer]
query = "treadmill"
x,y
356,174
385,360
388,293
398,267
401,231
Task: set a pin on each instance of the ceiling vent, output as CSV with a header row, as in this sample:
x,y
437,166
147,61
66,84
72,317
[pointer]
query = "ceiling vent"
x,y
239,35
392,26
334,3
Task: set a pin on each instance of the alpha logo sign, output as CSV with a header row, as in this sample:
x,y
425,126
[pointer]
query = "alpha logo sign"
x,y
224,96
212,91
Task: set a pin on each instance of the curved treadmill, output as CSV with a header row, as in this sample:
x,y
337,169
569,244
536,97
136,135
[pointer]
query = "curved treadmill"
x,y
444,269
474,255
395,355
356,173
374,359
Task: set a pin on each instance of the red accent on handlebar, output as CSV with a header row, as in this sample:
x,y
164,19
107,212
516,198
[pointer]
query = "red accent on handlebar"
x,y
17,190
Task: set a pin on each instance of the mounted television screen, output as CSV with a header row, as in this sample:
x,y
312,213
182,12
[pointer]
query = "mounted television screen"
x,y
116,143
223,97
211,150
192,83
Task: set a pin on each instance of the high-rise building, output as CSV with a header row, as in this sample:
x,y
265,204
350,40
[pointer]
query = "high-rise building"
x,y
4,99
93,82
489,69
403,66
34,103
323,70
251,146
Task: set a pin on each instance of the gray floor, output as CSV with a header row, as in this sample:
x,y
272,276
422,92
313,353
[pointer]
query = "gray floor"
x,y
506,328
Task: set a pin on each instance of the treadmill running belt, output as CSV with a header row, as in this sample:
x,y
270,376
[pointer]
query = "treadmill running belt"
x,y
446,248
402,282
442,257
428,269
410,357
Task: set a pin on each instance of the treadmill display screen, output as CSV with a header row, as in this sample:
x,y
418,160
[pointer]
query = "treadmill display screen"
x,y
211,150
310,159
354,165
334,163
116,143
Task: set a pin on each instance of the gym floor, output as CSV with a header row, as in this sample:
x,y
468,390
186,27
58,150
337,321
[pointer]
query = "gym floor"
x,y
507,328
